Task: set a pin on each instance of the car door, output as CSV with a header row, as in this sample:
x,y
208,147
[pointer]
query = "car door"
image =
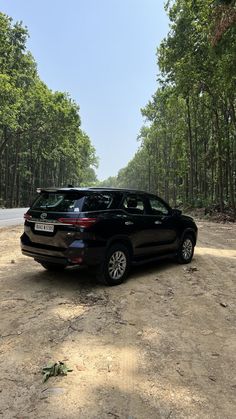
x,y
163,226
136,223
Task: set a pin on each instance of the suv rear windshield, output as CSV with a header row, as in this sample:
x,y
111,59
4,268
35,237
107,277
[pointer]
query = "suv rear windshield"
x,y
73,201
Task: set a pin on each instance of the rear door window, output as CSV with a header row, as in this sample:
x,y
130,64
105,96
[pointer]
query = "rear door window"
x,y
134,204
98,202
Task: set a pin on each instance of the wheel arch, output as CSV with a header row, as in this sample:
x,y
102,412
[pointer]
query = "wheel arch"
x,y
189,231
124,240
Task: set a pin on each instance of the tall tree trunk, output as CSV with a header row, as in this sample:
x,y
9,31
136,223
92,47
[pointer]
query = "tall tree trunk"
x,y
190,140
219,157
14,174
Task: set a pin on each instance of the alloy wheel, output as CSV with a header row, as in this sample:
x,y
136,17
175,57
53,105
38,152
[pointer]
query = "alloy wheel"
x,y
117,265
187,249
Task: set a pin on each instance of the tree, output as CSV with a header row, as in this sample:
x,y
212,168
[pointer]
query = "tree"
x,y
188,147
41,141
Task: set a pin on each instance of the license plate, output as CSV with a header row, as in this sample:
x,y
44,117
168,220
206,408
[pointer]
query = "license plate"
x,y
44,227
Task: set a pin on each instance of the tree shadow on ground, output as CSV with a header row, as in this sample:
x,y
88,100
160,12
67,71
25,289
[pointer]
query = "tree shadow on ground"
x,y
160,337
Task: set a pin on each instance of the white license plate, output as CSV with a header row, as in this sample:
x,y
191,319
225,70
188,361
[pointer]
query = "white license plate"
x,y
44,227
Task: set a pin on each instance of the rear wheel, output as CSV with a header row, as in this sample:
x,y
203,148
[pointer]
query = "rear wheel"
x,y
116,265
186,249
52,267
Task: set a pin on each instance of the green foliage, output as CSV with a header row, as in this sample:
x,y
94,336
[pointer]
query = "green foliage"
x,y
41,141
53,369
188,145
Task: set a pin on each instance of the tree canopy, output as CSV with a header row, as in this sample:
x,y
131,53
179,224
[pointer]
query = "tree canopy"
x,y
41,140
187,149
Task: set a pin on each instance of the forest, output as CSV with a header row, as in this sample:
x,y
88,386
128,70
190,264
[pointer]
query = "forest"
x,y
187,151
41,140
187,145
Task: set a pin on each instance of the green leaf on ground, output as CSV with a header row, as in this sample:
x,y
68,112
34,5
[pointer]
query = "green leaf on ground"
x,y
54,369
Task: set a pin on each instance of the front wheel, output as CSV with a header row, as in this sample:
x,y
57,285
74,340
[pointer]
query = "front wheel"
x,y
186,250
116,265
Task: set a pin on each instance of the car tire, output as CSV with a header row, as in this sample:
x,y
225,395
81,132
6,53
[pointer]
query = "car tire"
x,y
116,265
186,249
52,267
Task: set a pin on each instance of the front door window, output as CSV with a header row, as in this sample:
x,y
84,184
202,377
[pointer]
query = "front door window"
x,y
158,207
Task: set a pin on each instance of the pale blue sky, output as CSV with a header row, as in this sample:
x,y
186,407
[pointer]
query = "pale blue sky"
x,y
103,53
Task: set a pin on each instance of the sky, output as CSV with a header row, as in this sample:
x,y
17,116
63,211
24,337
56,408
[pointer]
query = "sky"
x,y
103,53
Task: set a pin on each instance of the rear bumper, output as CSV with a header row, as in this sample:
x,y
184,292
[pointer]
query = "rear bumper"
x,y
78,253
39,257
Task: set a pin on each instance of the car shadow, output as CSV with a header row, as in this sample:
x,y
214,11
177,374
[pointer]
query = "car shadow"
x,y
152,268
83,278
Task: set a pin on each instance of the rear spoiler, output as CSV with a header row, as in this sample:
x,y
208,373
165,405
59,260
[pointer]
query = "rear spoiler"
x,y
39,190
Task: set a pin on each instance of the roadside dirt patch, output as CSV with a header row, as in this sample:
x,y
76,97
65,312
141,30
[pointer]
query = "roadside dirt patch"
x,y
162,345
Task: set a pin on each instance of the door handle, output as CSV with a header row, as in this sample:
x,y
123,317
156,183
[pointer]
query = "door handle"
x,y
158,222
129,223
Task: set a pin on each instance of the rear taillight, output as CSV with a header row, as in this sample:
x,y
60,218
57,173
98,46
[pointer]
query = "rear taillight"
x,y
27,216
86,222
80,222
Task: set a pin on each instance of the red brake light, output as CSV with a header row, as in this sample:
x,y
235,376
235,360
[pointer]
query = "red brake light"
x,y
80,222
86,222
27,216
72,221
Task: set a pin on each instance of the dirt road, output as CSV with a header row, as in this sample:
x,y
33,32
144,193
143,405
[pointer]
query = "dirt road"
x,y
162,345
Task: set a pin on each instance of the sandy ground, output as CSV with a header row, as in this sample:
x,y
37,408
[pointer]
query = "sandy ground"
x,y
162,345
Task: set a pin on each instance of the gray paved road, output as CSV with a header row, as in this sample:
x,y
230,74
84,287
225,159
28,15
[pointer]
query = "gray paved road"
x,y
12,216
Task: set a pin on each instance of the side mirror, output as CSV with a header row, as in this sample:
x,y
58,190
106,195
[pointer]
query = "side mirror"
x,y
176,212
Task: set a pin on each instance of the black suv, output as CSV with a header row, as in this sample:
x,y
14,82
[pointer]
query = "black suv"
x,y
105,228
